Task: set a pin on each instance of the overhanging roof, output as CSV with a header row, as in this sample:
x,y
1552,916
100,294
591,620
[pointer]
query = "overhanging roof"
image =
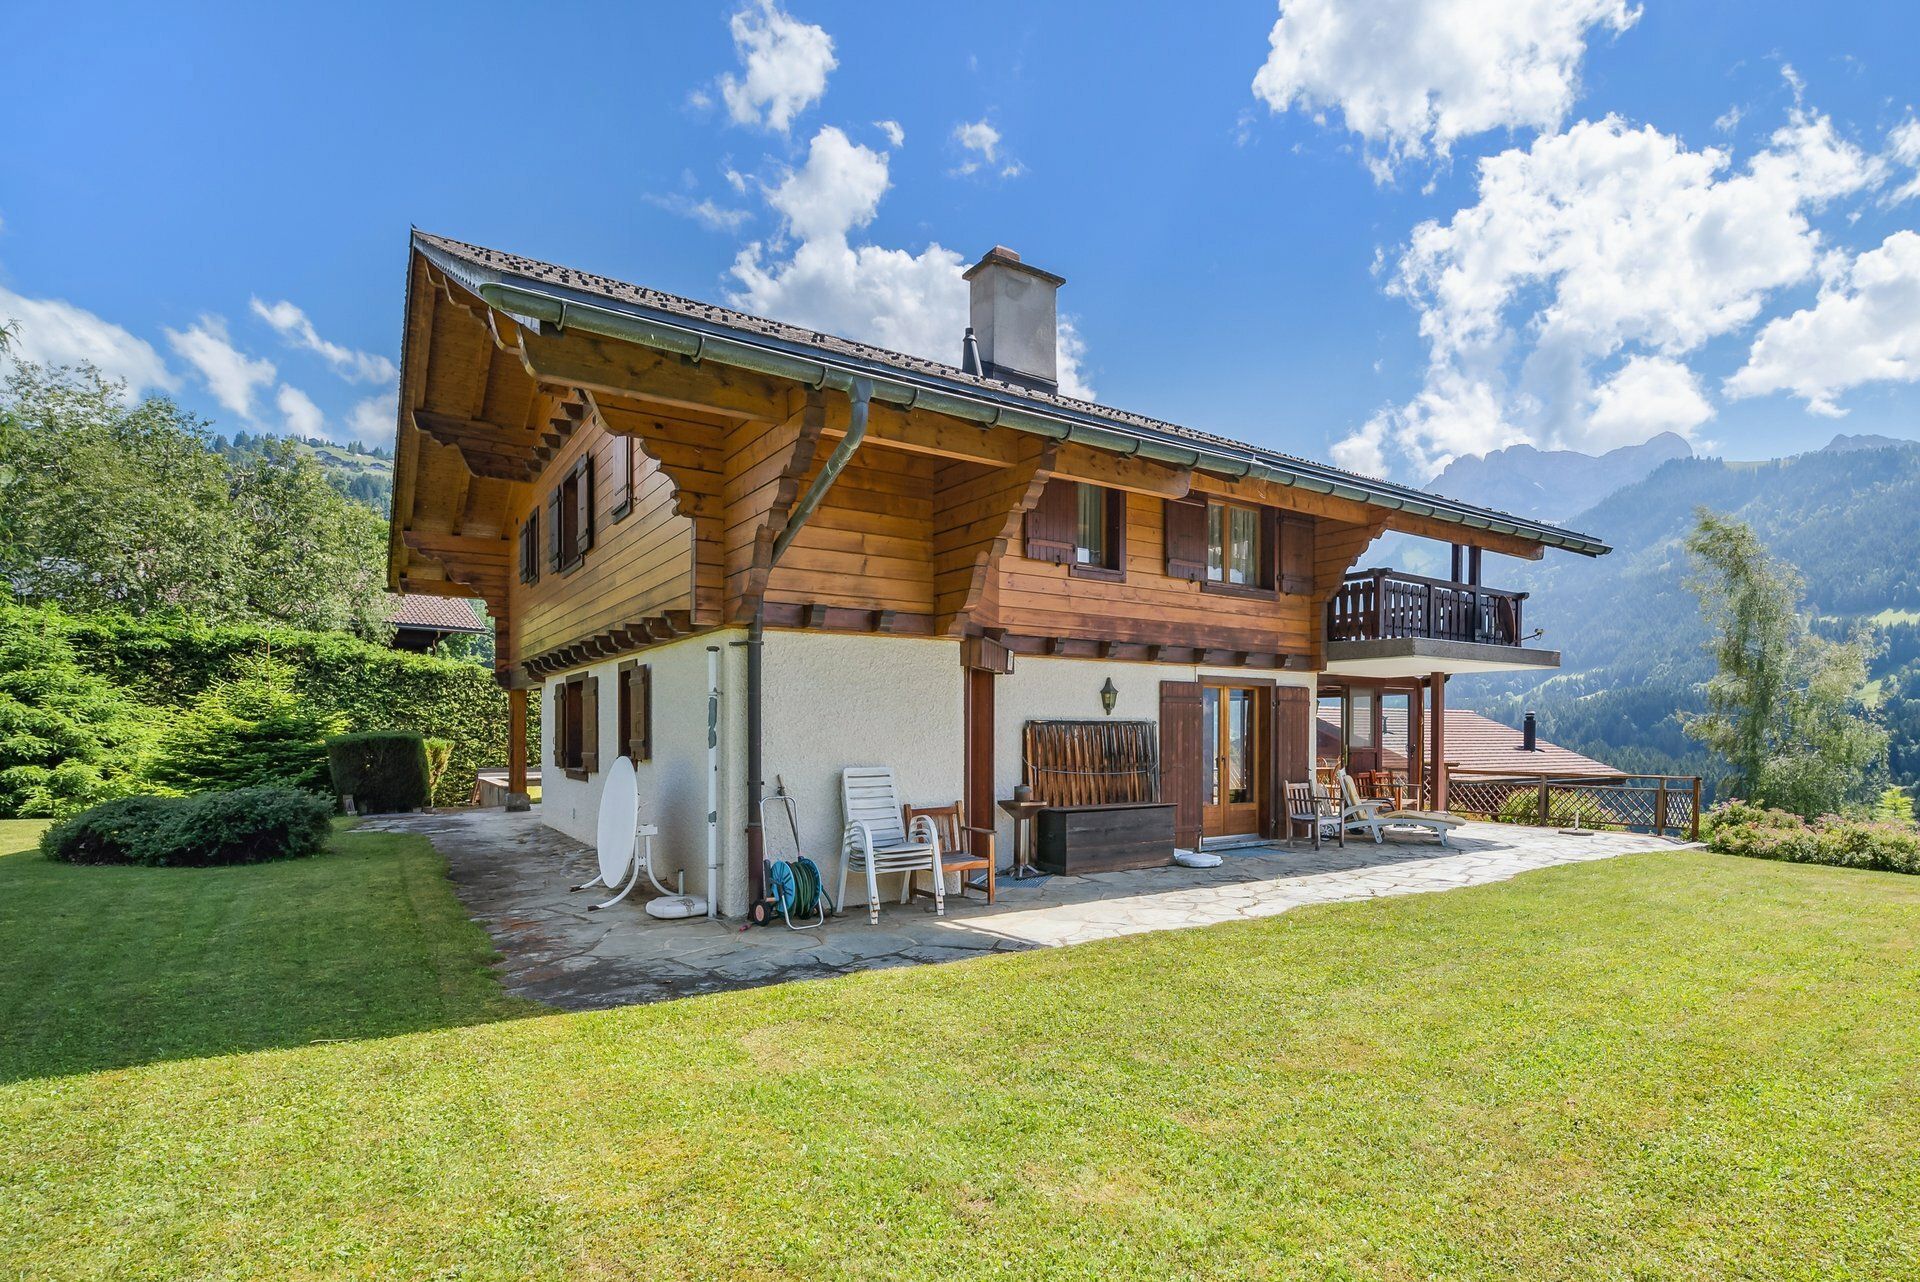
x,y
561,297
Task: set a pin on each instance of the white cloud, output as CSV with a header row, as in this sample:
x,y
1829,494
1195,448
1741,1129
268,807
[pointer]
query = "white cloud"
x,y
293,325
230,374
907,302
980,142
708,213
786,62
1903,145
1865,328
891,128
1646,396
1414,76
303,417
372,420
1596,246
49,331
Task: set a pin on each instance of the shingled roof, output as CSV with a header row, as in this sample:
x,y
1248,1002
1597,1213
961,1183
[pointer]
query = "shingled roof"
x,y
475,266
434,613
1475,743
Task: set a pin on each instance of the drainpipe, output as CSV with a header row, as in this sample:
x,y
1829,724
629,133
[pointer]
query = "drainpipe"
x,y
861,394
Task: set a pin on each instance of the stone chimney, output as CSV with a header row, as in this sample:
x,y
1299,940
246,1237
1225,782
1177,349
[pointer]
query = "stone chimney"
x,y
1012,310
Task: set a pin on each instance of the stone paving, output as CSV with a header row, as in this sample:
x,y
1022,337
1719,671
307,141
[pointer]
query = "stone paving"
x,y
512,875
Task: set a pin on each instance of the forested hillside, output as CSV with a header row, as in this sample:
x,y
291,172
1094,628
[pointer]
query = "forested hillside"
x,y
1629,631
362,474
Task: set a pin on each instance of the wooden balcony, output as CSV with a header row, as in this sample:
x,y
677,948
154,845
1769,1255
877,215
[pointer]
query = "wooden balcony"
x,y
1385,605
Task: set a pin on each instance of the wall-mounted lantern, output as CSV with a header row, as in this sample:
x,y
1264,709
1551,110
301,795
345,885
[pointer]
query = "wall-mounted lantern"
x,y
1109,696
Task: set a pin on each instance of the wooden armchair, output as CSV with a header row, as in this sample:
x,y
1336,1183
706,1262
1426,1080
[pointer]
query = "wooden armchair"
x,y
963,849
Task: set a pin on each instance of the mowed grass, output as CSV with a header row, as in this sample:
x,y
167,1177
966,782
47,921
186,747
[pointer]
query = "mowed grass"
x,y
1671,1065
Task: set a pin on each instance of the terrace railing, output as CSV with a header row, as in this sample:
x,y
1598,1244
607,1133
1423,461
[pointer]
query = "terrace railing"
x,y
1659,804
1383,605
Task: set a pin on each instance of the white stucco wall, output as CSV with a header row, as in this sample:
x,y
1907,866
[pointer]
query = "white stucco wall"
x,y
835,700
1051,689
673,786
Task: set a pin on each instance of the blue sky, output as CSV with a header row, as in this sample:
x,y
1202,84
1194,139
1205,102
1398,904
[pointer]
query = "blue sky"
x,y
1427,229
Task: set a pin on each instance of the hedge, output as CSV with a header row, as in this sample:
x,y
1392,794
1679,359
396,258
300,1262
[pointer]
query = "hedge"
x,y
1741,828
208,829
166,662
384,771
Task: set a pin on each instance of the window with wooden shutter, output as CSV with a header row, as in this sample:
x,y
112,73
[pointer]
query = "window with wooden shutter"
x,y
583,499
635,733
1050,523
1240,555
590,725
1186,538
620,480
554,531
1296,538
560,724
1099,533
530,547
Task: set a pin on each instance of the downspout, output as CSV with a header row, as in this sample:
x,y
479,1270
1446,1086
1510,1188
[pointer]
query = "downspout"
x,y
860,392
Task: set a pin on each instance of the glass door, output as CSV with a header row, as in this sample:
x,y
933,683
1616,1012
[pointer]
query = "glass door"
x,y
1234,780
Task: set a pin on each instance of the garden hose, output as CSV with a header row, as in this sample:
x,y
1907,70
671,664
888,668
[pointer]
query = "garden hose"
x,y
798,891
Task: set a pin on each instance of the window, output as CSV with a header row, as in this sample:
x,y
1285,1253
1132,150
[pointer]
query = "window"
x,y
576,726
1080,526
570,518
635,727
1234,546
530,548
620,464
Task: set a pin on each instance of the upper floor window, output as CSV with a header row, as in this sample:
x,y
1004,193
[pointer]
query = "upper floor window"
x,y
1080,526
530,548
620,461
1234,552
570,517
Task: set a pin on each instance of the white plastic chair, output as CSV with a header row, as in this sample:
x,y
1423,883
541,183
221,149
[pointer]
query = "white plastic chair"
x,y
878,841
1374,815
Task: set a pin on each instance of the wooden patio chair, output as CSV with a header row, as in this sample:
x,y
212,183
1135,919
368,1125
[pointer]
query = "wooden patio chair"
x,y
963,848
878,840
1309,804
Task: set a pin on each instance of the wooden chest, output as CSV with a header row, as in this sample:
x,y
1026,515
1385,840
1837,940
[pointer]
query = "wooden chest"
x,y
1081,839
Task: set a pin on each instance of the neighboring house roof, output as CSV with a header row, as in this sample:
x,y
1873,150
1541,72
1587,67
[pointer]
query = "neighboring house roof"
x,y
1474,743
435,613
486,271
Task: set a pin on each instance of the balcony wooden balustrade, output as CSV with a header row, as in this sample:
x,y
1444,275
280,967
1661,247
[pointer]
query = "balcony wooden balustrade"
x,y
1382,605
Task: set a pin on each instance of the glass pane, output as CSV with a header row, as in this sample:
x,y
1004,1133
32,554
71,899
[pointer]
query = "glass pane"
x,y
1091,523
1243,567
1216,541
1239,746
1210,745
1360,719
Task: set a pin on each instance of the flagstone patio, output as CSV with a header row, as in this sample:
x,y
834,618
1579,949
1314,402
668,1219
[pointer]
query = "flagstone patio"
x,y
512,874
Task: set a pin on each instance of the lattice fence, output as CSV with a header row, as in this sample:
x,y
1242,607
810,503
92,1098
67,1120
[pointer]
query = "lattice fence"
x,y
1639,804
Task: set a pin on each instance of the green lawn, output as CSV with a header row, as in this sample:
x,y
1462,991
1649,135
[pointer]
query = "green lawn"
x,y
1670,1065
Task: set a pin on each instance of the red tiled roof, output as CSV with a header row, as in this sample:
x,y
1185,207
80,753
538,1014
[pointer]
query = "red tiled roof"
x,y
438,613
1474,742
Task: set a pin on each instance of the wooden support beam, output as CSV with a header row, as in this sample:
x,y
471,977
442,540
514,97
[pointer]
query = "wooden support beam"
x,y
1119,472
606,366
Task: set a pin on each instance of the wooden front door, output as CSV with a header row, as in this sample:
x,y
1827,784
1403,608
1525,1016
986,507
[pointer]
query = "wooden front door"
x,y
1234,779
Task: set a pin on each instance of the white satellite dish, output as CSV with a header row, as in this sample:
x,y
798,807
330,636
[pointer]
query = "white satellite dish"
x,y
619,817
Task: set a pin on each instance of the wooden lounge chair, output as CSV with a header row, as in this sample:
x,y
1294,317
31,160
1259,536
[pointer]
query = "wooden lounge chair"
x,y
878,840
1376,814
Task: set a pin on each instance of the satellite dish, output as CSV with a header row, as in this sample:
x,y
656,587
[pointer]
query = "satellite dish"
x,y
619,816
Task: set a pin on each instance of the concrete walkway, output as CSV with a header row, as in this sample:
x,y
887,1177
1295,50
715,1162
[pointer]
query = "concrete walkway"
x,y
512,874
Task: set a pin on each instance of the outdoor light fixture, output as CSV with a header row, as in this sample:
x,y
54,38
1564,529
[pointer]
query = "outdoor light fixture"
x,y
1109,696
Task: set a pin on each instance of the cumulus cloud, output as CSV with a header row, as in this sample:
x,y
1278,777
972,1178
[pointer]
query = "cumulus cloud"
x,y
980,147
1586,250
817,277
1865,328
48,331
784,64
230,374
301,416
1903,146
891,128
372,420
292,324
1411,77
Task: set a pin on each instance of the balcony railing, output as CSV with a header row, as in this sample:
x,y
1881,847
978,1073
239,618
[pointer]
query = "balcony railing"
x,y
1383,605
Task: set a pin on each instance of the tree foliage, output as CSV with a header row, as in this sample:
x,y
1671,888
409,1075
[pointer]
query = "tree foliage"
x,y
1783,706
109,504
250,730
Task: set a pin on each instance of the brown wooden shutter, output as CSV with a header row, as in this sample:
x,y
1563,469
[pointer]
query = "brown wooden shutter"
x,y
1296,554
583,496
620,484
553,530
1292,748
640,731
590,725
1186,537
1050,523
1182,758
1269,572
559,724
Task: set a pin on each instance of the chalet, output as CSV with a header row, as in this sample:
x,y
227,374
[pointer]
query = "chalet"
x,y
691,525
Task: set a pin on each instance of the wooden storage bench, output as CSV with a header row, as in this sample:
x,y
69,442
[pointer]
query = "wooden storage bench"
x,y
1082,839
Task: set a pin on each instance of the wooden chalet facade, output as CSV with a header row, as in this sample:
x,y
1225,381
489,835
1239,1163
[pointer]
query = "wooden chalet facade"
x,y
678,514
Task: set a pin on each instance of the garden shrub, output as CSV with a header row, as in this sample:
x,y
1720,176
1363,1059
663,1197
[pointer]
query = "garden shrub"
x,y
207,829
383,771
251,731
439,757
1740,828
